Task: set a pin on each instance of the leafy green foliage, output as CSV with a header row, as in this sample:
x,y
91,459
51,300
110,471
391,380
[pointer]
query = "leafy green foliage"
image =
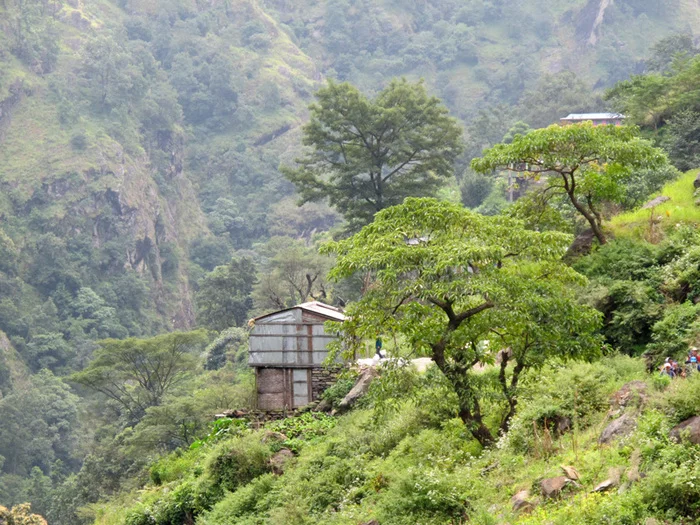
x,y
138,373
230,345
445,280
589,164
223,299
293,272
675,331
237,462
367,154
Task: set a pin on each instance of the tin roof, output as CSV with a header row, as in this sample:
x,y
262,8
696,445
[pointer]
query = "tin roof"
x,y
594,116
315,307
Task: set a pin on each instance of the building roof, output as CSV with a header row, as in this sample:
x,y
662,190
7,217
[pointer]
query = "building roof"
x,y
314,307
594,116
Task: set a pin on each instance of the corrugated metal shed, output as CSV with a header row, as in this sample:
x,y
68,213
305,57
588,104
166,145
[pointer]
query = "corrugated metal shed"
x,y
284,347
594,116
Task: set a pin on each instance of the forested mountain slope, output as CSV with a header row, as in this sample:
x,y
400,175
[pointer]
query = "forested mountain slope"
x,y
139,141
141,195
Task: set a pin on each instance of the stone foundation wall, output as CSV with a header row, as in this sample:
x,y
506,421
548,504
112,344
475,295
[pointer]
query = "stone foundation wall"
x,y
321,379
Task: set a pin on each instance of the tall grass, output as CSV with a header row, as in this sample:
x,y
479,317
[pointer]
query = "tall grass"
x,y
651,224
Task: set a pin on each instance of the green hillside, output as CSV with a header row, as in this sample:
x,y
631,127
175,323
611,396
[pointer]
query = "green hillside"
x,y
148,209
416,466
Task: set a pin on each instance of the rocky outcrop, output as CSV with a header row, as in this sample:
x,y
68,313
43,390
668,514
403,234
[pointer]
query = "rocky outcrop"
x,y
571,472
521,501
655,202
632,394
620,427
581,246
361,387
604,486
690,429
279,460
552,487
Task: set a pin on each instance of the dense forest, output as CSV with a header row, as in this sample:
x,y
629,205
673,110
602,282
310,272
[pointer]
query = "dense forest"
x,y
171,168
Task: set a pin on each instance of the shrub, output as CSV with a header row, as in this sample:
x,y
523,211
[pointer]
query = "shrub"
x,y
671,490
673,334
79,141
237,462
681,400
428,496
245,500
573,394
623,260
336,392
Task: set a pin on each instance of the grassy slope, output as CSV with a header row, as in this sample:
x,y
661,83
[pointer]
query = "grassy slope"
x,y
415,469
680,209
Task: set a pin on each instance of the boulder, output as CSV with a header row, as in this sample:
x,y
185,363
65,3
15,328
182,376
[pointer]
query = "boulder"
x,y
552,487
521,501
373,522
690,428
605,485
581,246
656,202
570,472
621,427
361,387
279,459
632,393
324,406
273,437
696,182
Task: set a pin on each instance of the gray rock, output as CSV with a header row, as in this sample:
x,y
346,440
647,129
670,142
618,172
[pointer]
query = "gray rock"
x,y
605,485
696,182
360,389
632,393
571,472
521,502
273,437
621,427
552,487
280,459
690,428
655,202
323,406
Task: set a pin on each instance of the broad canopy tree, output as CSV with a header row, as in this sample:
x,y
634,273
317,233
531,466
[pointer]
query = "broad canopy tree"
x,y
224,295
138,373
588,164
368,154
462,288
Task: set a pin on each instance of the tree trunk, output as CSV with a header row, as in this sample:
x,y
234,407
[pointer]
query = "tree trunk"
x,y
475,425
590,217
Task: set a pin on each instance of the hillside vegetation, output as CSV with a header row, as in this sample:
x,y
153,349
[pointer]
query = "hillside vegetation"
x,y
153,154
416,465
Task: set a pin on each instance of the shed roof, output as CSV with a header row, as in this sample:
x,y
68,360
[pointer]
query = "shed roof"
x,y
315,307
594,116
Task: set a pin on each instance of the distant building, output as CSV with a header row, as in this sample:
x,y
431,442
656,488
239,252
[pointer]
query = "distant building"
x,y
287,349
598,119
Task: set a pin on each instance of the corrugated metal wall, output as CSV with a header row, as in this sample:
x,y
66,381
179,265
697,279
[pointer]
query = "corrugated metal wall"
x,y
284,347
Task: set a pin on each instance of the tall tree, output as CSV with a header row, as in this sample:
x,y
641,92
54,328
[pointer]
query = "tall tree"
x,y
446,280
589,164
293,273
138,373
224,299
368,154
